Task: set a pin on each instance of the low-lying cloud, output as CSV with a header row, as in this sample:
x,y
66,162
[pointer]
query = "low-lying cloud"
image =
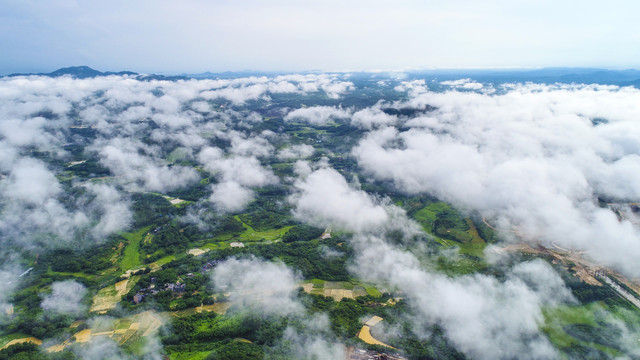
x,y
484,317
65,298
261,286
534,160
317,115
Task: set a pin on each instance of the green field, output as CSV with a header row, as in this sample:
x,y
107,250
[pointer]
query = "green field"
x,y
165,260
131,257
558,319
251,235
473,247
373,291
427,215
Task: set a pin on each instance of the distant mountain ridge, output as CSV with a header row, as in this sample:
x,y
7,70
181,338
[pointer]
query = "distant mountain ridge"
x,y
86,72
630,77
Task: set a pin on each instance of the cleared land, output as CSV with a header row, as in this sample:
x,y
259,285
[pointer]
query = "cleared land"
x,y
22,340
123,331
196,251
365,333
108,297
339,289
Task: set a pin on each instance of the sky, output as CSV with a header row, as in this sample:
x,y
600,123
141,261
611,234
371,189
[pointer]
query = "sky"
x,y
285,35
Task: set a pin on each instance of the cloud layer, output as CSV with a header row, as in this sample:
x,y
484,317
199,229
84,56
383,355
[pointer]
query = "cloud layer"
x,y
535,160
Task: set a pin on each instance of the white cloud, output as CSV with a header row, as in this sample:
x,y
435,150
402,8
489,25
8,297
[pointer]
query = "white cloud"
x,y
30,182
263,287
65,298
485,318
143,171
317,115
252,146
372,117
301,151
466,84
112,209
246,171
529,158
315,341
324,198
229,196
31,210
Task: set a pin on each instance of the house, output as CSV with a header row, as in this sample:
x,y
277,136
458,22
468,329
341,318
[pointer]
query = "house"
x,y
236,244
137,298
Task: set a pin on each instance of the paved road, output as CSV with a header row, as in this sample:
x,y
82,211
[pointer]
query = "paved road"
x,y
634,300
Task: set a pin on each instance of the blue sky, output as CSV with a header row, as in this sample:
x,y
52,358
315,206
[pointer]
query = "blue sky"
x,y
196,36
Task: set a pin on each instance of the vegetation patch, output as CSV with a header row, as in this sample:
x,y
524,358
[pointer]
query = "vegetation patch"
x,y
131,257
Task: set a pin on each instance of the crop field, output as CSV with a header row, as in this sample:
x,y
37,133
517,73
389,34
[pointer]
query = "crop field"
x,y
339,289
129,331
365,333
108,297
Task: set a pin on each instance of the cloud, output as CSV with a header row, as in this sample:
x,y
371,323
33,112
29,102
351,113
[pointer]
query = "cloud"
x,y
317,115
270,289
246,171
238,95
112,209
138,166
32,214
229,196
252,146
260,286
30,182
9,279
372,117
313,340
100,348
530,159
324,198
301,151
148,346
237,175
29,132
466,84
65,298
484,317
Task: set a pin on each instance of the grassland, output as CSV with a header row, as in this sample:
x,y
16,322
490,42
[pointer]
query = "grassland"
x,y
248,235
131,257
471,249
108,297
